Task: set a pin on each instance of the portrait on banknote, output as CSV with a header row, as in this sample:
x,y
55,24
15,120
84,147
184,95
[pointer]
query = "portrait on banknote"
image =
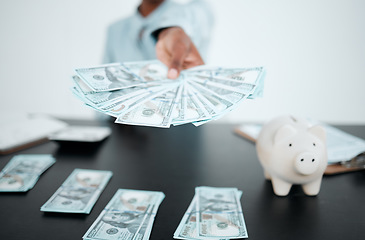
x,y
118,77
75,196
124,220
10,181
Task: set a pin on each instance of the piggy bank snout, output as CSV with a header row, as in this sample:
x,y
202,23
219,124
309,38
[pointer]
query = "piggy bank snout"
x,y
306,163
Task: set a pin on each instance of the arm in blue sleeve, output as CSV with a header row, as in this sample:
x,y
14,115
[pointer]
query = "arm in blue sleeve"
x,y
195,18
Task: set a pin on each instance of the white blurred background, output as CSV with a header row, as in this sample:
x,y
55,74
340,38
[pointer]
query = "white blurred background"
x,y
313,51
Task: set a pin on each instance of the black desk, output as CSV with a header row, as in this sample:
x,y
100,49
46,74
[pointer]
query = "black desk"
x,y
175,161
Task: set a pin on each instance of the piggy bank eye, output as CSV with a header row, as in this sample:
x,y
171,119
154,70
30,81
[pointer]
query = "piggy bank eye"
x,y
314,144
290,144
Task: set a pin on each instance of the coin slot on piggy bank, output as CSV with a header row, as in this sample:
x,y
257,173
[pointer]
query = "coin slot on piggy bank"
x,y
292,151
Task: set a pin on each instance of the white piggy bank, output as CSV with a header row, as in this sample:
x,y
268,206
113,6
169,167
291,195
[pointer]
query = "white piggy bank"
x,y
292,151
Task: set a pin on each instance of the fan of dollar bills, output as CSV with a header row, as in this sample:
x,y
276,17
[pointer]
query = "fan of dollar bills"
x,y
139,93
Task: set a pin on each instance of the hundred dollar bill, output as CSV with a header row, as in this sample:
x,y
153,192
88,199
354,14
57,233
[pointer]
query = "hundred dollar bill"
x,y
224,101
156,112
214,104
108,77
192,109
219,213
221,103
146,227
178,112
233,77
209,106
233,85
79,192
109,97
199,107
81,86
23,171
142,98
225,95
246,75
188,225
179,116
128,215
198,104
120,106
149,71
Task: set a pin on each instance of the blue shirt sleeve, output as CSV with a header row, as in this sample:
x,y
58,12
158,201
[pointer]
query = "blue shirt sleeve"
x,y
195,18
132,39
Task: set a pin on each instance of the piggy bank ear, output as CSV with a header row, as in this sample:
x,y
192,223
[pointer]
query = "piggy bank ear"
x,y
319,132
284,132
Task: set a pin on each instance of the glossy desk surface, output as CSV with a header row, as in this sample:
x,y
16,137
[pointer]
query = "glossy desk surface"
x,y
175,161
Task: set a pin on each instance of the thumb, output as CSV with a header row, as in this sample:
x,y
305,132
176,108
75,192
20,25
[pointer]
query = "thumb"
x,y
176,63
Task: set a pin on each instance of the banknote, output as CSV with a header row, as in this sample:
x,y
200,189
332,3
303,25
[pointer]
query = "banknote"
x,y
209,103
136,101
81,86
219,213
79,192
187,228
155,112
139,93
149,71
179,106
122,105
224,100
217,104
128,215
227,94
246,75
23,171
193,109
234,85
108,77
105,99
109,97
233,76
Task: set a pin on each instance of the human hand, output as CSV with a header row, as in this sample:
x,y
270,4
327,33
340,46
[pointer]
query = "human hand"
x,y
175,49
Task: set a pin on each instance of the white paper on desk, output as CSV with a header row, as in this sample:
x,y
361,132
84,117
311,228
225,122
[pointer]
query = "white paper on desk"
x,y
341,146
18,130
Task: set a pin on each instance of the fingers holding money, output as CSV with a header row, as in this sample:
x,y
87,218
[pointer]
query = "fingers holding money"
x,y
175,49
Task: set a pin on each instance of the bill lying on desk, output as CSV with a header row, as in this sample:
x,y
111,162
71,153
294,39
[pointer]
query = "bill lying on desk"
x,y
23,172
345,151
79,192
128,215
214,213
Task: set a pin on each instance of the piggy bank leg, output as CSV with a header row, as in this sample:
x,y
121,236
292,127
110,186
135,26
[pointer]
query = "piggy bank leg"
x,y
267,175
281,188
312,188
